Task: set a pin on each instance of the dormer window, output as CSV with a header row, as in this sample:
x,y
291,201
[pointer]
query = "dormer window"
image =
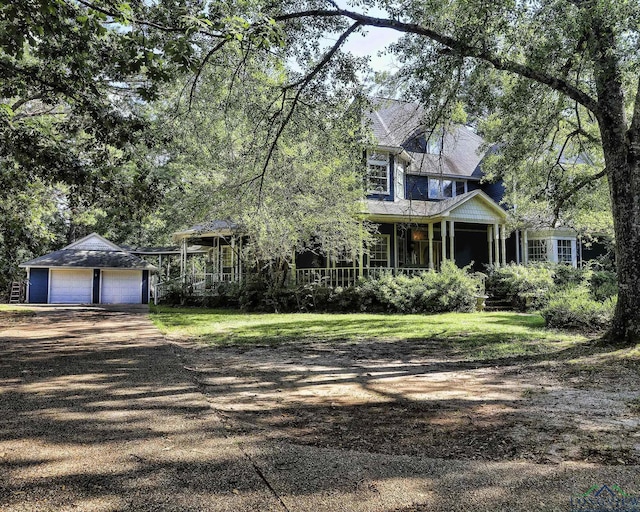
x,y
377,173
434,145
442,188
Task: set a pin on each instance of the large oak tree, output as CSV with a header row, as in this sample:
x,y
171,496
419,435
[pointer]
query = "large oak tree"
x,y
574,63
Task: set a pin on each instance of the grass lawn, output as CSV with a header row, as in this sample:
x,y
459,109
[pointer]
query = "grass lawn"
x,y
470,335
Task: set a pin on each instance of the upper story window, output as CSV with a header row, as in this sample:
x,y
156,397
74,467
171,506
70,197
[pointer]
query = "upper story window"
x,y
377,172
434,145
442,189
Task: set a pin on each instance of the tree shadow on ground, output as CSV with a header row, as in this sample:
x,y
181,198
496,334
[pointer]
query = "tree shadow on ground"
x,y
100,414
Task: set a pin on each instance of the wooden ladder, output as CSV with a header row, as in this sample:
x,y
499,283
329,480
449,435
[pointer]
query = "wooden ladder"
x,y
16,293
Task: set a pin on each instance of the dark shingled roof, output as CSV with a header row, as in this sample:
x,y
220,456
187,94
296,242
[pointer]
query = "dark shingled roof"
x,y
80,258
396,124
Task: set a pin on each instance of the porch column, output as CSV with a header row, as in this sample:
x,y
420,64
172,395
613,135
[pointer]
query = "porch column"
x,y
215,256
490,242
431,246
183,260
496,237
503,243
443,233
395,247
233,258
160,265
240,259
518,246
452,250
361,253
525,247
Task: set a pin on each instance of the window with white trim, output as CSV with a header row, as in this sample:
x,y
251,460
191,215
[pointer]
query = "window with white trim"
x,y
377,173
379,251
443,189
537,250
565,251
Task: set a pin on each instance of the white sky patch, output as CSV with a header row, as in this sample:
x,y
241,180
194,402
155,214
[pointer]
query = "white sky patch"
x,y
373,44
373,41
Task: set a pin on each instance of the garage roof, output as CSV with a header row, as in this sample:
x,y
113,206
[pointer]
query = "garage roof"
x,y
92,251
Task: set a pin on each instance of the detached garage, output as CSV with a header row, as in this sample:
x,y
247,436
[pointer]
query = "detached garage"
x,y
89,271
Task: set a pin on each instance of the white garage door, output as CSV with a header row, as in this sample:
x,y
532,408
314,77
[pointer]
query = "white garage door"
x,y
71,286
121,287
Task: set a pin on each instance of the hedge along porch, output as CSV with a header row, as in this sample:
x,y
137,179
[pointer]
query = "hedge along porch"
x,y
92,270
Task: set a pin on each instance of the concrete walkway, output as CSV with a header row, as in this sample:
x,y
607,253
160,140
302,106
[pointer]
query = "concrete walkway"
x,y
99,413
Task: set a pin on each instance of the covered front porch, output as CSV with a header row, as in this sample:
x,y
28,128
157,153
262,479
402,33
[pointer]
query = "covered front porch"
x,y
412,237
409,248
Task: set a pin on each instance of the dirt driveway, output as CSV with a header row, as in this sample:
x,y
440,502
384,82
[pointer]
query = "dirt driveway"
x,y
99,412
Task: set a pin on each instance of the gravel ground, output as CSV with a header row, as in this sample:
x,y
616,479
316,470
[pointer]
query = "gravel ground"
x,y
99,412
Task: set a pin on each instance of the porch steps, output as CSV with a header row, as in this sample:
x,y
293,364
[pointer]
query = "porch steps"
x,y
492,304
15,297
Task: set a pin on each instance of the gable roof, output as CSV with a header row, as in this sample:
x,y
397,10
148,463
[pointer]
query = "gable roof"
x,y
92,251
396,124
94,242
414,210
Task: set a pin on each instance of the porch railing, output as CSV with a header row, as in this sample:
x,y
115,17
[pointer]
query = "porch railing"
x,y
347,276
204,283
193,284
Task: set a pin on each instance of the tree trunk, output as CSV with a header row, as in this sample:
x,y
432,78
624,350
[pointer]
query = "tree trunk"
x,y
621,154
623,164
624,184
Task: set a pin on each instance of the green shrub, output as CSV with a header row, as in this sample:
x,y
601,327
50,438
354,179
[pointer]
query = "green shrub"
x,y
525,287
451,289
603,284
574,308
567,275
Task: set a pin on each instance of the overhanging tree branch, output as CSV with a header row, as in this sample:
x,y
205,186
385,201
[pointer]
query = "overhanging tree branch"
x,y
560,202
152,24
457,47
300,85
206,59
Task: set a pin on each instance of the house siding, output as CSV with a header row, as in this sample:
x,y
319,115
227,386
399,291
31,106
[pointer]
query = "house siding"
x,y
494,190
